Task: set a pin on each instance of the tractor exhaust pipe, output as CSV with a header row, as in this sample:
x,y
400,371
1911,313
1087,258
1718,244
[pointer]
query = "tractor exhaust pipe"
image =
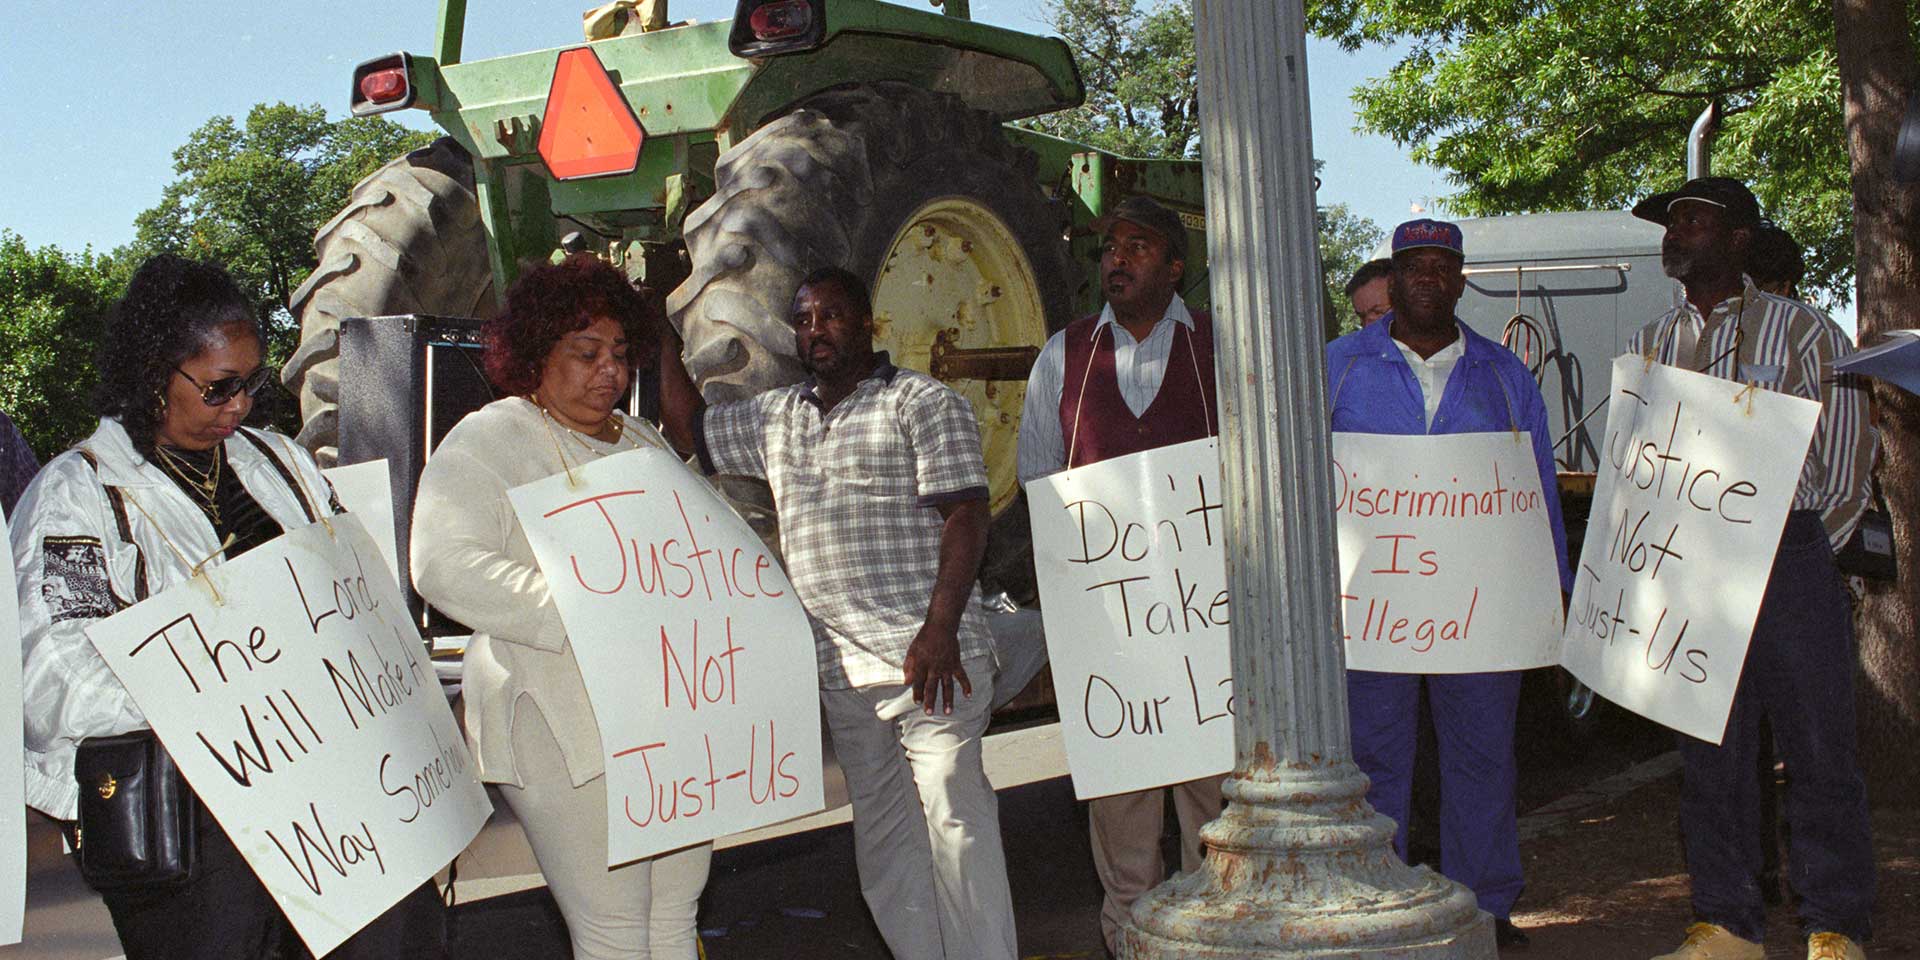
x,y
1700,142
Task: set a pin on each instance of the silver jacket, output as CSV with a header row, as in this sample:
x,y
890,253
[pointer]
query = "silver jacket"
x,y
74,566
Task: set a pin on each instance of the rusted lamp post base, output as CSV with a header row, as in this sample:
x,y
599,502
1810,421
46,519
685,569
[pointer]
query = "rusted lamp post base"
x,y
1301,866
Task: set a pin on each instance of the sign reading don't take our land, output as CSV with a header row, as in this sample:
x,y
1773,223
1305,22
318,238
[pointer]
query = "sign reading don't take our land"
x,y
1133,593
294,693
1696,477
698,659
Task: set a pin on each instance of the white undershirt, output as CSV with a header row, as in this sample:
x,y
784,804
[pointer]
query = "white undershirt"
x,y
1432,372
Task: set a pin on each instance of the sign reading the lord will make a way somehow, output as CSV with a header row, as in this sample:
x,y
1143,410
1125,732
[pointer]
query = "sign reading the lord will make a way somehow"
x,y
1696,477
1447,563
698,658
1133,593
300,705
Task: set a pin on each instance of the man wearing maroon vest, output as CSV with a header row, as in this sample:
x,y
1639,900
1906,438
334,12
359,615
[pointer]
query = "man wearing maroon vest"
x,y
1135,376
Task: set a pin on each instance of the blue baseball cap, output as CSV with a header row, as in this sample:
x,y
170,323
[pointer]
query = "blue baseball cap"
x,y
1415,234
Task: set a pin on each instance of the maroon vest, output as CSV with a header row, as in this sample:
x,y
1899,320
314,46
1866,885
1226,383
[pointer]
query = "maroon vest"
x,y
1185,408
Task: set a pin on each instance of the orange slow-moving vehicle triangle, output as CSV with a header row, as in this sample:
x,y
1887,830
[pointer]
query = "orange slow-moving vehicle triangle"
x,y
589,130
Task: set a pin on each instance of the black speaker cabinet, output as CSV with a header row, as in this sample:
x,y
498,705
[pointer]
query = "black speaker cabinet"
x,y
404,382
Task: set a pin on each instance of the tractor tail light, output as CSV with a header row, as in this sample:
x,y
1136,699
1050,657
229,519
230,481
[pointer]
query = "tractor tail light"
x,y
765,28
383,84
780,20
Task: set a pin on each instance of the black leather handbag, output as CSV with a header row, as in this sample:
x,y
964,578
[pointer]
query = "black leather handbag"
x,y
136,828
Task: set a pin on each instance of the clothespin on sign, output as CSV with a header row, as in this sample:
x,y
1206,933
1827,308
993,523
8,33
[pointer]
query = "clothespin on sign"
x,y
200,571
1746,393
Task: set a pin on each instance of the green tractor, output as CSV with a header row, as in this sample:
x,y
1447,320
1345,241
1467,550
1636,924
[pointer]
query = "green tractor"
x,y
718,162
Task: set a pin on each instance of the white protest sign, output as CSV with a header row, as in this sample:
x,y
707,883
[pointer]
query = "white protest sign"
x,y
1446,553
302,709
1133,592
13,797
1696,477
365,490
698,658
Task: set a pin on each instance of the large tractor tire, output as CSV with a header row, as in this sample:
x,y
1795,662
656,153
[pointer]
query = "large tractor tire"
x,y
926,198
409,241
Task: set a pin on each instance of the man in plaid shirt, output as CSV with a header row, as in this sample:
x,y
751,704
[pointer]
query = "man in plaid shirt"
x,y
881,490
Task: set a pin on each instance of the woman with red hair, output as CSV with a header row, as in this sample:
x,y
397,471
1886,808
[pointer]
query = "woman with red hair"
x,y
565,350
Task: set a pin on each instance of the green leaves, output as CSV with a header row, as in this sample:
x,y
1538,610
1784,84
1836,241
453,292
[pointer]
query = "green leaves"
x,y
247,196
1141,77
52,308
250,196
1586,104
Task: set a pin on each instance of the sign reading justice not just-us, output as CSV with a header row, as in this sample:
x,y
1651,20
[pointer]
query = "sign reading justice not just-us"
x,y
697,656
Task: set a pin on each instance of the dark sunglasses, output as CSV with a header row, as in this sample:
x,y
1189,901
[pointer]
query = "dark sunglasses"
x,y
219,393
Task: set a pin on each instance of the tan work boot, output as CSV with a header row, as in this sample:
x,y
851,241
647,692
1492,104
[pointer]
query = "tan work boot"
x,y
1711,941
1833,946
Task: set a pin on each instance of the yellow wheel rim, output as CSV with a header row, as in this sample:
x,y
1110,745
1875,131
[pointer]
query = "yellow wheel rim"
x,y
955,267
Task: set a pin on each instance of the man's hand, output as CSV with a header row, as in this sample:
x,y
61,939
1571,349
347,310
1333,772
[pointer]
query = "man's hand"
x,y
932,667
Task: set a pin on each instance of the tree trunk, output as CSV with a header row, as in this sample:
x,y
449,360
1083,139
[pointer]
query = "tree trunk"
x,y
1877,71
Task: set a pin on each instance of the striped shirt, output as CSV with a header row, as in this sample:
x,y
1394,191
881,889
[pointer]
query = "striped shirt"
x,y
1139,365
859,489
1786,346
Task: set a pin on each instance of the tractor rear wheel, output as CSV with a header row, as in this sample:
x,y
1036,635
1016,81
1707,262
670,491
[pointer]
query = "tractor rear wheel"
x,y
926,199
409,241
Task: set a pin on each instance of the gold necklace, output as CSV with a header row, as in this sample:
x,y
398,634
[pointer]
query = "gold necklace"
x,y
204,486
619,430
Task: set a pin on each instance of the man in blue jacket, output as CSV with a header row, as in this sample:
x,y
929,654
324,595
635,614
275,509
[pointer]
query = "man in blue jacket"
x,y
1419,370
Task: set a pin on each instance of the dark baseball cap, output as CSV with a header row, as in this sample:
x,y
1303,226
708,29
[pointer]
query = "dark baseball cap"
x,y
1724,192
1148,214
1438,234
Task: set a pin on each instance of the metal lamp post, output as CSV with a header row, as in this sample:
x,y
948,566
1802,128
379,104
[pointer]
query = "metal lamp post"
x,y
1299,864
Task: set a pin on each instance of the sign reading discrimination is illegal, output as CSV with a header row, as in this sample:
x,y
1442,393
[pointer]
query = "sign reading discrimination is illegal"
x,y
1133,593
698,659
1447,562
301,707
1696,477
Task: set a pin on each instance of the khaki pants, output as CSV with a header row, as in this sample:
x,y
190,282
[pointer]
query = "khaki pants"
x,y
639,911
926,823
1126,831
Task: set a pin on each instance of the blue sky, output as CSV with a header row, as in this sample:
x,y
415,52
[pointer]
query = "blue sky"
x,y
100,94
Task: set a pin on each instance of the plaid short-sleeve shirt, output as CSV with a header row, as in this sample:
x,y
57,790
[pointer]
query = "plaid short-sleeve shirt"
x,y
858,489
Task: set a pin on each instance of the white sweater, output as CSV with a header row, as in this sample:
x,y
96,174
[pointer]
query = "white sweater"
x,y
471,560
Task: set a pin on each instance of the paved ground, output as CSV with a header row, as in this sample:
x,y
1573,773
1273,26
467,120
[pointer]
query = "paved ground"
x,y
1599,839
1609,884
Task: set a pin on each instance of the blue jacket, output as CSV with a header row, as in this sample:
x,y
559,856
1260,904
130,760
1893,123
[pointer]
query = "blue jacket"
x,y
1372,390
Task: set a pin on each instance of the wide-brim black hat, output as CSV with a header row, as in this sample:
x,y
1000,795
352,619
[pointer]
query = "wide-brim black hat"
x,y
1724,192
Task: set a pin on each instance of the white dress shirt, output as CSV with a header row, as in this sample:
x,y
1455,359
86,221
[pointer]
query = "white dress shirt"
x,y
1432,372
1138,365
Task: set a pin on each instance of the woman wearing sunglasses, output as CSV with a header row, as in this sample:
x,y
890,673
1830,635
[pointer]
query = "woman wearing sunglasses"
x,y
169,481
565,351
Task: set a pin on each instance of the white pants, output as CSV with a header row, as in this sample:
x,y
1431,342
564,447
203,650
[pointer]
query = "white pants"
x,y
926,823
641,911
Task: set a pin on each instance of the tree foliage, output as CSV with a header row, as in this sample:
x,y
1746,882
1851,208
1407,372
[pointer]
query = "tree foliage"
x,y
52,310
1347,240
250,196
1586,104
1143,100
1140,74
